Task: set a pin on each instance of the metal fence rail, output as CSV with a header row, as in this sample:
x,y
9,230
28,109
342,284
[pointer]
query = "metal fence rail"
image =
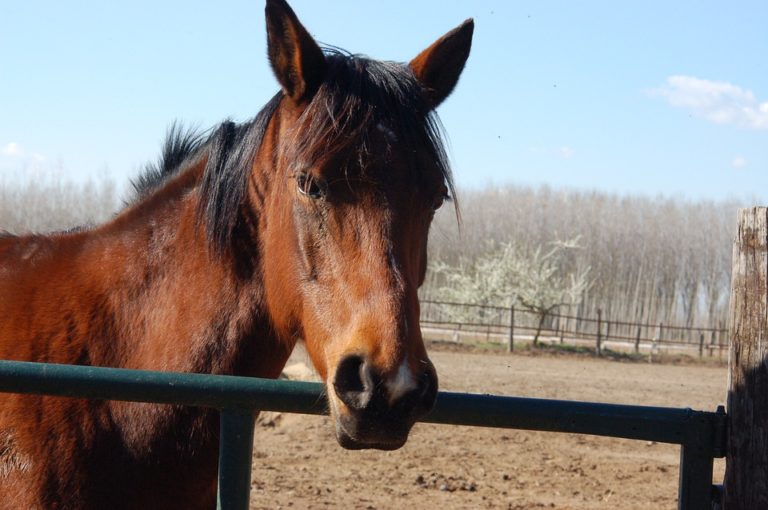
x,y
700,434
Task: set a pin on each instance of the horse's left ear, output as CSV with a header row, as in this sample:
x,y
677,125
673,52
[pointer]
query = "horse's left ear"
x,y
297,60
438,67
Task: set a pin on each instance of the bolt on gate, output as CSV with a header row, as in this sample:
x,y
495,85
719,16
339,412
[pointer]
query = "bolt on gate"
x,y
701,435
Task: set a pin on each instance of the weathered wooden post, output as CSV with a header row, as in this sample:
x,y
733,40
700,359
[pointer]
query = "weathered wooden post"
x,y
701,345
637,339
723,341
655,343
746,473
599,347
511,340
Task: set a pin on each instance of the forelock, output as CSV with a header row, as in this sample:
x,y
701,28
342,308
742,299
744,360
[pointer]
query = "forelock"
x,y
359,99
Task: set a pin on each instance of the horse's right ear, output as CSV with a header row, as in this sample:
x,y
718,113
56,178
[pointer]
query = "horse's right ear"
x,y
438,67
297,60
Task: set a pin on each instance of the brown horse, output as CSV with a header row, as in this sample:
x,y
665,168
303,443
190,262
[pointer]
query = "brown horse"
x,y
308,223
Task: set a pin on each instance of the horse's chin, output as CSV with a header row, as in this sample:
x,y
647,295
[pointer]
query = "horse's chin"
x,y
348,442
355,432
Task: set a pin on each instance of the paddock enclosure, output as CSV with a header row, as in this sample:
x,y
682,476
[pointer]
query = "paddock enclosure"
x,y
459,467
699,434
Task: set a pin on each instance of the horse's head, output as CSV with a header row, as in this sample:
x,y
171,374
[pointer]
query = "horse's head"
x,y
358,170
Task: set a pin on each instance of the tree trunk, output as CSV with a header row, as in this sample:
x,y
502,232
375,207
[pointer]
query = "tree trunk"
x,y
542,318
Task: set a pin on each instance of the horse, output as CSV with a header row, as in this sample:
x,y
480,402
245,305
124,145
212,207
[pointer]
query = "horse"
x,y
308,223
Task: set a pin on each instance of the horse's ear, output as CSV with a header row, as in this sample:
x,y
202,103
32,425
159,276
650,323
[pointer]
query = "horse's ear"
x,y
297,60
438,67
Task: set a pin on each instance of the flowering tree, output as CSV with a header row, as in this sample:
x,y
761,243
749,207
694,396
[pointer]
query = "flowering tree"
x,y
539,281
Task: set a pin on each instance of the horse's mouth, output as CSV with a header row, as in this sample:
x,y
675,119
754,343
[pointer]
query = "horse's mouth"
x,y
377,442
371,431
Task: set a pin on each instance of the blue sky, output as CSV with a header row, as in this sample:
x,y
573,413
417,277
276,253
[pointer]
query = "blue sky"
x,y
647,98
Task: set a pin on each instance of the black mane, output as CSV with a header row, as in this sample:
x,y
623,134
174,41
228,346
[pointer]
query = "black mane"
x,y
179,145
357,95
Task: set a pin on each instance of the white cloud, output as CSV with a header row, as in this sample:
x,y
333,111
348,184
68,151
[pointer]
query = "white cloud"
x,y
17,160
11,149
717,101
739,162
567,152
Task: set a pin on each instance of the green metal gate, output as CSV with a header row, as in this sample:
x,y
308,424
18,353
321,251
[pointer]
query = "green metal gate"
x,y
701,435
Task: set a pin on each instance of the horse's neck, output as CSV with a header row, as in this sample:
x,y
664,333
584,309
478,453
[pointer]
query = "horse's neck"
x,y
176,304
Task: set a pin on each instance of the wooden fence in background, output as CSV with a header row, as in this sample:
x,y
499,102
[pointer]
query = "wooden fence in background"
x,y
471,322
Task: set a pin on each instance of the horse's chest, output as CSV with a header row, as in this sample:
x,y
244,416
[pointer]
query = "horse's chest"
x,y
113,455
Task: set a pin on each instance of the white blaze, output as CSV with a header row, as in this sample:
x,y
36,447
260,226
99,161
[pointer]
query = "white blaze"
x,y
402,383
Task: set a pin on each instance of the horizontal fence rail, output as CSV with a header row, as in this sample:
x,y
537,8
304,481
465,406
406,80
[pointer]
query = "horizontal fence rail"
x,y
701,434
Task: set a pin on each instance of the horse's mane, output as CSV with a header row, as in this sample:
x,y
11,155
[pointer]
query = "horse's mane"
x,y
180,143
358,95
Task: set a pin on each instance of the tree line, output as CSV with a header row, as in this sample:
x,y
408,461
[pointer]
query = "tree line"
x,y
636,258
643,259
47,204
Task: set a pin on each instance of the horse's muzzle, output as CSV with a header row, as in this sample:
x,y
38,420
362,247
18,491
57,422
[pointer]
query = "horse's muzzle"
x,y
371,418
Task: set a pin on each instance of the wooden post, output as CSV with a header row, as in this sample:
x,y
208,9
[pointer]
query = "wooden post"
x,y
511,340
655,343
599,348
637,339
723,341
712,343
701,345
746,472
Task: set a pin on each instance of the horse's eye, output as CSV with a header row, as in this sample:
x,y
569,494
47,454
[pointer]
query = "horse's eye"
x,y
309,186
440,200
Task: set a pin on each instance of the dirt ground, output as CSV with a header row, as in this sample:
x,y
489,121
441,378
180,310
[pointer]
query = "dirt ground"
x,y
297,463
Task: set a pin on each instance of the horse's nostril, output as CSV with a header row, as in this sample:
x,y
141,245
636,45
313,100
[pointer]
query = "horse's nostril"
x,y
428,389
354,382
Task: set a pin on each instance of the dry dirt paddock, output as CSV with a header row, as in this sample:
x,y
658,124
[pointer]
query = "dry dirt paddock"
x,y
297,463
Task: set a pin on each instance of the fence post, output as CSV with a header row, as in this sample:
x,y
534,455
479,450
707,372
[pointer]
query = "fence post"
x,y
235,452
599,348
637,339
746,472
511,340
727,339
701,345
